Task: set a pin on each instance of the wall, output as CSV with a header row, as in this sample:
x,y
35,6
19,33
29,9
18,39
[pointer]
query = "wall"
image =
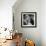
x,y
43,22
6,16
28,6
6,13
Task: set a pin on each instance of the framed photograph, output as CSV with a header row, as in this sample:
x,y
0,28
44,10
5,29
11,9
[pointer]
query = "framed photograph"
x,y
28,19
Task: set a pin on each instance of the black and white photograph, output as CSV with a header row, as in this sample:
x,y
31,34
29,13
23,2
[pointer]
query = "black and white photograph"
x,y
28,19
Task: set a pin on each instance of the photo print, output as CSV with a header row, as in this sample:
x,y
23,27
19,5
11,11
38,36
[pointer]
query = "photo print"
x,y
28,19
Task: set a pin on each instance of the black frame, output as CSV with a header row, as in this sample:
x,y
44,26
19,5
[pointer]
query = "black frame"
x,y
29,13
